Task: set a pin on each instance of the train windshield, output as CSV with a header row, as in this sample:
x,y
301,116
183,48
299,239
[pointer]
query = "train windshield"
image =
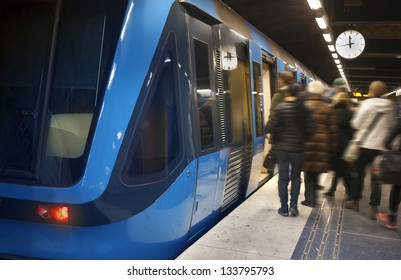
x,y
55,60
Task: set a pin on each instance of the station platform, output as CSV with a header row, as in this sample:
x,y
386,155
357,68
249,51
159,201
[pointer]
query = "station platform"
x,y
255,231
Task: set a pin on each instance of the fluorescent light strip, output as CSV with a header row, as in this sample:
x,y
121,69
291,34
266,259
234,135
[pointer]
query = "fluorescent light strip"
x,y
314,4
321,21
327,37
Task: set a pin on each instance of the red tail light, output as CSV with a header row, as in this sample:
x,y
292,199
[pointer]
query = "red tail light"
x,y
44,211
57,213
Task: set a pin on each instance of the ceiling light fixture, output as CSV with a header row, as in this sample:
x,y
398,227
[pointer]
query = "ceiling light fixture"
x,y
321,21
327,37
314,4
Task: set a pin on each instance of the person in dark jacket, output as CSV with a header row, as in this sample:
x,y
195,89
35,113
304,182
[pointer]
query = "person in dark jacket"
x,y
291,123
389,220
286,79
342,105
322,145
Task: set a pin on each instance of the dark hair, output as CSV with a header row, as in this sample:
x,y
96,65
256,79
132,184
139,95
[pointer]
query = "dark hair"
x,y
294,89
287,77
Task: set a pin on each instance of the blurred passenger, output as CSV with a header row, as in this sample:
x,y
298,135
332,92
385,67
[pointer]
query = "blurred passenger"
x,y
291,124
328,95
340,86
389,220
322,145
379,112
286,78
341,105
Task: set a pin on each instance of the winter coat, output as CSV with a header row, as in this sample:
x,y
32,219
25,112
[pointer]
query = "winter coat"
x,y
365,116
322,145
345,131
345,134
288,134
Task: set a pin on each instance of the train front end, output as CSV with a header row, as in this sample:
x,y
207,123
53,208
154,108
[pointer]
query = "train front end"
x,y
70,76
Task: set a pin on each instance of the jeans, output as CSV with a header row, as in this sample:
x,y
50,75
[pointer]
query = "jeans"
x,y
366,157
284,161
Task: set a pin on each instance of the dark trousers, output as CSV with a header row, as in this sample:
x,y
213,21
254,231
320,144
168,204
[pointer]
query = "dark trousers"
x,y
366,157
284,161
341,170
347,180
394,201
311,181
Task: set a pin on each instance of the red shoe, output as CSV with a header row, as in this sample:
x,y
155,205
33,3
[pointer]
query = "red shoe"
x,y
384,219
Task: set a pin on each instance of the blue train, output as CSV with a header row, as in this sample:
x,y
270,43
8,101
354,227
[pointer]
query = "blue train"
x,y
130,127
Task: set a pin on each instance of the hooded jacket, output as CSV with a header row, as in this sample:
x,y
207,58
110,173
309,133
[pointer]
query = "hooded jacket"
x,y
365,115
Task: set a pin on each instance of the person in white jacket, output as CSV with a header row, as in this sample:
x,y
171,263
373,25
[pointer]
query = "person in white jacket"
x,y
380,113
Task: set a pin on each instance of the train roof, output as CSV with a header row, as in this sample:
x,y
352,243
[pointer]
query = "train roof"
x,y
221,13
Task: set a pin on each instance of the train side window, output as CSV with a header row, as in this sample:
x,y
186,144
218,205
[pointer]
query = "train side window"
x,y
204,95
156,146
257,96
236,83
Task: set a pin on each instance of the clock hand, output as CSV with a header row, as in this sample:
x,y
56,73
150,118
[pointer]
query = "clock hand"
x,y
346,45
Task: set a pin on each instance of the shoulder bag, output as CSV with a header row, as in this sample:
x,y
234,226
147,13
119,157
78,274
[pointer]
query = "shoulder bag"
x,y
351,152
387,167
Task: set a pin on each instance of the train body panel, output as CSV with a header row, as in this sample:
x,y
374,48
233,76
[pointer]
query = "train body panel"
x,y
209,191
171,139
159,231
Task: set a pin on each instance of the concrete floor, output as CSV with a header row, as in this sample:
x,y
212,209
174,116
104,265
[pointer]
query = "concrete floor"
x,y
255,231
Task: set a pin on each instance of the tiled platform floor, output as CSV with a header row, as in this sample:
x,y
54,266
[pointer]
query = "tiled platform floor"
x,y
255,231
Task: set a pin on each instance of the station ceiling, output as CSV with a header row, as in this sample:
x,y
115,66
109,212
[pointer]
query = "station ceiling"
x,y
292,25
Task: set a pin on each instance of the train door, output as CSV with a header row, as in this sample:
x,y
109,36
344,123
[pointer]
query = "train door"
x,y
202,44
257,115
269,81
235,113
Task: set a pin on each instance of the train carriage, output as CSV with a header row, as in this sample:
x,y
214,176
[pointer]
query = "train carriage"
x,y
128,128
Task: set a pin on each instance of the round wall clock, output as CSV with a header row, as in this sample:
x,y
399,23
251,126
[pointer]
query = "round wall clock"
x,y
350,44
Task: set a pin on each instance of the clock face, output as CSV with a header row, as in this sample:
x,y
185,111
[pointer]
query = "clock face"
x,y
350,44
230,60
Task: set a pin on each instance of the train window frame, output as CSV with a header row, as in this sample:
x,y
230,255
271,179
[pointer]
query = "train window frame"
x,y
204,97
148,95
75,96
235,49
257,98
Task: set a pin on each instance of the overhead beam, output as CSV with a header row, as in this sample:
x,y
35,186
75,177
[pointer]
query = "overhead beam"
x,y
364,23
373,76
381,55
352,3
